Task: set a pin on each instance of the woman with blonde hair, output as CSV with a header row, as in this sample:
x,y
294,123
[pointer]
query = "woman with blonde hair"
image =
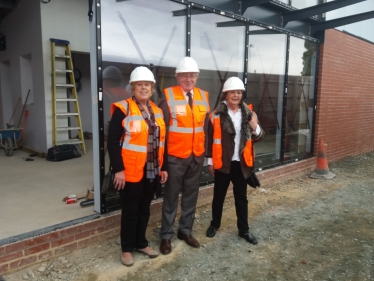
x,y
136,123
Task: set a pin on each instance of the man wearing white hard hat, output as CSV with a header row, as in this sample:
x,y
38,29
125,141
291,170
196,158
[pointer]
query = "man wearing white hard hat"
x,y
233,128
186,112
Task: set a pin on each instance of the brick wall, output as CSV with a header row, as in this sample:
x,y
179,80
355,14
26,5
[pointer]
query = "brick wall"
x,y
345,101
40,248
345,122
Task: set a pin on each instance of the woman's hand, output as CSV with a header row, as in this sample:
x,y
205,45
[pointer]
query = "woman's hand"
x,y
253,123
211,169
119,180
163,176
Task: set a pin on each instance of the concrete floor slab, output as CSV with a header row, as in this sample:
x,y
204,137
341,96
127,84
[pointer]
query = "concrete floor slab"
x,y
32,192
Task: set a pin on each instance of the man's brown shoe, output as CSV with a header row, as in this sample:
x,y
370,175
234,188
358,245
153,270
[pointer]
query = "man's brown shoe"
x,y
165,246
188,239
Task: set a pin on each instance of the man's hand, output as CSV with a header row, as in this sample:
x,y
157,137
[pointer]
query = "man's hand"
x,y
211,169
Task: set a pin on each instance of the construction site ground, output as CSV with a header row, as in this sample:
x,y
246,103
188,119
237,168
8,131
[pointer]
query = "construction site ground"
x,y
308,229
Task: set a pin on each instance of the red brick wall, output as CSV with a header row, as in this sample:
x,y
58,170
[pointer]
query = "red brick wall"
x,y
345,101
40,248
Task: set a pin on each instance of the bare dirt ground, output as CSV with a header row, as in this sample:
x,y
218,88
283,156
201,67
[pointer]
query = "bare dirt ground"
x,y
307,229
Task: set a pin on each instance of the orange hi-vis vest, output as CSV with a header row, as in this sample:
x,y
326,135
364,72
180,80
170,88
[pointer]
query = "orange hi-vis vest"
x,y
217,144
134,146
186,125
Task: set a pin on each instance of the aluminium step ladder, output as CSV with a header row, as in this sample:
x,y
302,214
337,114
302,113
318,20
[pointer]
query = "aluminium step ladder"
x,y
65,108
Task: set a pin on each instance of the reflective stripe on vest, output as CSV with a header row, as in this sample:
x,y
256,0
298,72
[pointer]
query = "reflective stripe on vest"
x,y
186,126
216,147
134,146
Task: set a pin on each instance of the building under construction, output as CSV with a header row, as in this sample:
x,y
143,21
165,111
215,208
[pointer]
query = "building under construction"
x,y
307,67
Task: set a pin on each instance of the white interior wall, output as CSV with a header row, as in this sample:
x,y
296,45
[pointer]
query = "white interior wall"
x,y
28,30
23,38
26,83
67,20
82,62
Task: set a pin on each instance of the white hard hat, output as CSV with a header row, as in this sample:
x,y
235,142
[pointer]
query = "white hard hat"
x,y
112,72
233,83
187,64
141,73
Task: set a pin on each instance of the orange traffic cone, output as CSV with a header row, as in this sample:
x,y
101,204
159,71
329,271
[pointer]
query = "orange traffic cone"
x,y
322,171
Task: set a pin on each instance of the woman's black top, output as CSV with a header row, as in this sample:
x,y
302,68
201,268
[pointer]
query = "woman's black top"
x,y
115,135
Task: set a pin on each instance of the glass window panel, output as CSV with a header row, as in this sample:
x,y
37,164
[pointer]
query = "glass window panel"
x,y
217,44
265,87
300,98
140,32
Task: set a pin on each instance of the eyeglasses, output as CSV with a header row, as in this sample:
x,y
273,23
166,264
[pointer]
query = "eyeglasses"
x,y
188,75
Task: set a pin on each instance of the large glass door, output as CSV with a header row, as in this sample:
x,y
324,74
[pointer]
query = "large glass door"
x,y
265,89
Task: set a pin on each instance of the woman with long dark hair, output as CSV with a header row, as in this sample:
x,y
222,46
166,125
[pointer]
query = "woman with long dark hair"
x,y
231,133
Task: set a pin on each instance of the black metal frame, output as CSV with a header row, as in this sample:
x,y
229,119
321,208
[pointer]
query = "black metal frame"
x,y
105,205
270,29
246,51
285,91
316,75
90,12
100,107
188,31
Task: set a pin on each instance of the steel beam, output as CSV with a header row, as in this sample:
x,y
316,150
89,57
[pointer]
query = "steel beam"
x,y
321,26
251,3
231,23
182,12
245,4
262,32
316,10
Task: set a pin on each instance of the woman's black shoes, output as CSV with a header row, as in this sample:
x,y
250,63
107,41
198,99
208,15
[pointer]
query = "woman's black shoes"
x,y
249,238
211,231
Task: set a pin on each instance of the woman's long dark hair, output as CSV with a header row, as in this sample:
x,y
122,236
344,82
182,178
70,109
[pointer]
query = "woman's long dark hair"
x,y
224,94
